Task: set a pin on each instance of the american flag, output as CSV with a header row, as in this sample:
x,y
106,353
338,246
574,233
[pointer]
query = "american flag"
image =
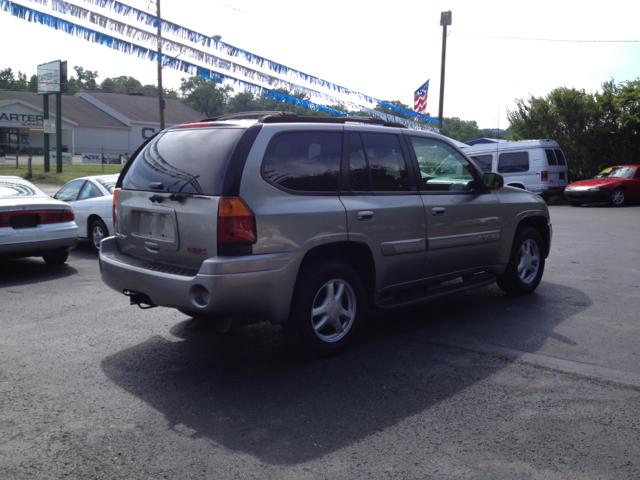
x,y
420,98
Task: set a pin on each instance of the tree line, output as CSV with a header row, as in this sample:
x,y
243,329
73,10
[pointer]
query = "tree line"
x,y
595,130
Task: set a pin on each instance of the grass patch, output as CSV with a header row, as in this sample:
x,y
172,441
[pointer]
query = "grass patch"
x,y
69,172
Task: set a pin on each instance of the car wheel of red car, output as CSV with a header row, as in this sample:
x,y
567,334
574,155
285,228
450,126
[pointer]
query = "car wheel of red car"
x,y
618,197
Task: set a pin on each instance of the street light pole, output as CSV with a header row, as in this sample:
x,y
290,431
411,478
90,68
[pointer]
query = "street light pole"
x,y
160,99
445,19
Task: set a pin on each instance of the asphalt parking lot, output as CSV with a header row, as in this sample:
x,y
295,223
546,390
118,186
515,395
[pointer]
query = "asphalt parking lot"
x,y
478,386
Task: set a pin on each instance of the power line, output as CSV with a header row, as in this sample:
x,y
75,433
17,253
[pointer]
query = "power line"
x,y
547,39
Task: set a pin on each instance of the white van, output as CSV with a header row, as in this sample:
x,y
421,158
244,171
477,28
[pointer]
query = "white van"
x,y
535,165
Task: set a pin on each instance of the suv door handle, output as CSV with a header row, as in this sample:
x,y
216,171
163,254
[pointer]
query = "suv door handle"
x,y
365,215
437,211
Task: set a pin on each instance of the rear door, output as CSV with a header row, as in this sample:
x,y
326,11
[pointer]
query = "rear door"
x,y
553,168
563,168
384,210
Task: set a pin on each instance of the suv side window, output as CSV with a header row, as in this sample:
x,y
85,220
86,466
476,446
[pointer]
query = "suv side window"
x,y
442,168
483,161
304,161
376,163
513,162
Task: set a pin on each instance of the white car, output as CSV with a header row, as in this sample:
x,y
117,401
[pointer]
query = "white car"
x,y
92,201
32,224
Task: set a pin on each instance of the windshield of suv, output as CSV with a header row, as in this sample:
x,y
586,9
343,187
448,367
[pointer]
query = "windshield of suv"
x,y
191,161
617,172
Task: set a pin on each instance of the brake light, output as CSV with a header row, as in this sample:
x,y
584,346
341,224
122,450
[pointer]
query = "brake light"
x,y
544,175
68,216
236,222
115,195
43,217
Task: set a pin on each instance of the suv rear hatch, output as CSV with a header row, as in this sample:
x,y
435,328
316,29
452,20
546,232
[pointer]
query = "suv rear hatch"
x,y
167,208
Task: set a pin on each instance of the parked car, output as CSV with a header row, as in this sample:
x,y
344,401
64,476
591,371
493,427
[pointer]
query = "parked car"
x,y
308,221
92,201
535,165
32,224
614,185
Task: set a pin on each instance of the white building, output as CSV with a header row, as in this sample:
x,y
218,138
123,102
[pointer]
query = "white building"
x,y
107,123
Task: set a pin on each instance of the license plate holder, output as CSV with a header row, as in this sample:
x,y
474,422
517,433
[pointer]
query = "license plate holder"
x,y
156,226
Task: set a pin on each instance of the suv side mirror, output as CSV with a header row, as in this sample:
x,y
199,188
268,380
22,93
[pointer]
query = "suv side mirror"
x,y
493,181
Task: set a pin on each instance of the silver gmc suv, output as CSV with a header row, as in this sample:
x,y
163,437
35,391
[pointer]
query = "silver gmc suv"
x,y
308,222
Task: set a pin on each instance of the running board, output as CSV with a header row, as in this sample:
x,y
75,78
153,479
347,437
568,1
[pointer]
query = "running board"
x,y
432,292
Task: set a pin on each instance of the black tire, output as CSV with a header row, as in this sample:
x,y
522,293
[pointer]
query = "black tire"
x,y
56,258
618,197
526,263
336,292
97,232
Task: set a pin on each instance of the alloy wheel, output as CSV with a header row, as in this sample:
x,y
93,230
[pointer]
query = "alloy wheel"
x,y
333,311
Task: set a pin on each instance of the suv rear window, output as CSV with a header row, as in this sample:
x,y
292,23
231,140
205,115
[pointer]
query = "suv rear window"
x,y
561,159
513,162
304,161
187,160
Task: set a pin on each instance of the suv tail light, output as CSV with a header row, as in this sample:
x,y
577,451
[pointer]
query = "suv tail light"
x,y
544,175
115,195
236,222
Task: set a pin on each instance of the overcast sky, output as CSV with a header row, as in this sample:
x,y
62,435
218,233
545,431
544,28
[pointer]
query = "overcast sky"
x,y
496,51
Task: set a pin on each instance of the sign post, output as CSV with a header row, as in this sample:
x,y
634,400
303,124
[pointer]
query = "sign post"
x,y
52,78
45,116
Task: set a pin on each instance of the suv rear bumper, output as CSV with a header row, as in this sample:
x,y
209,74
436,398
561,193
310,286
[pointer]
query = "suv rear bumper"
x,y
253,285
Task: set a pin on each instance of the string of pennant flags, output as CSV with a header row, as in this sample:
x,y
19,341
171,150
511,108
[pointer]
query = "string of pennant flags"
x,y
171,46
230,50
131,32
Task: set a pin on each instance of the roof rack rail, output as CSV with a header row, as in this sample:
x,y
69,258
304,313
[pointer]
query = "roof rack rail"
x,y
256,114
313,119
290,117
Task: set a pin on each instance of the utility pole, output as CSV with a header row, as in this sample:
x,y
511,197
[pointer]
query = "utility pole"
x,y
445,19
160,99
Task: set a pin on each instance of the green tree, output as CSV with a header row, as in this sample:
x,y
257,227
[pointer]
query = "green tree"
x,y
85,80
205,95
595,130
10,81
242,102
33,83
628,103
461,130
121,84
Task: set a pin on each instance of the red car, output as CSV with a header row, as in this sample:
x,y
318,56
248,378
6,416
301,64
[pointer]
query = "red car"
x,y
614,185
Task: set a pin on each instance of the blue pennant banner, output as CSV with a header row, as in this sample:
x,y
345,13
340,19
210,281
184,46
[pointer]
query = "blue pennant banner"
x,y
94,36
230,50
